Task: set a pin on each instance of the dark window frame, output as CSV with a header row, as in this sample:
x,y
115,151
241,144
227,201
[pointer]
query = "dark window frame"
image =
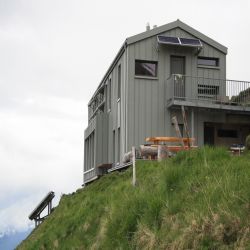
x,y
149,62
227,133
205,61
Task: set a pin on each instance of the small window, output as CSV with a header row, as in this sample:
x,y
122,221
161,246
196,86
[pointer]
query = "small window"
x,y
227,133
212,90
110,93
119,82
114,148
145,68
119,144
208,61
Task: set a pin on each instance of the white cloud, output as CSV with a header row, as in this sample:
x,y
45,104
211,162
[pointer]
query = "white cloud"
x,y
53,56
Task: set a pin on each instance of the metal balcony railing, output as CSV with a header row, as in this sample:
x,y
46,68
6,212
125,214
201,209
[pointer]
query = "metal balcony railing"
x,y
218,91
97,102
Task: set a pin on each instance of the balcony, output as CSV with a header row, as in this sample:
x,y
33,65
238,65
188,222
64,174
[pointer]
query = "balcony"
x,y
97,103
208,93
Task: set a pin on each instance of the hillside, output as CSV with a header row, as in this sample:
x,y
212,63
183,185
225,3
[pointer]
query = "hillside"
x,y
196,200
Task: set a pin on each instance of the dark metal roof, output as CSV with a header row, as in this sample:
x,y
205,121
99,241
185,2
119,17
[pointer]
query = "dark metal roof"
x,y
40,207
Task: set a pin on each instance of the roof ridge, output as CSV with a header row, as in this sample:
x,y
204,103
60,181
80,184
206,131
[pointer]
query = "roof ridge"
x,y
173,25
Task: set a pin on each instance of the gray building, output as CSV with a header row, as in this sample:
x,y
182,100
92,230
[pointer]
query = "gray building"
x,y
152,76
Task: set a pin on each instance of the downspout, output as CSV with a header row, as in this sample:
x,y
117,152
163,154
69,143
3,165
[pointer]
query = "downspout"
x,y
126,97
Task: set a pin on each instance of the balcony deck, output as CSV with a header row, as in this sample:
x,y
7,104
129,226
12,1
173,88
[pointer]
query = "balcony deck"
x,y
220,94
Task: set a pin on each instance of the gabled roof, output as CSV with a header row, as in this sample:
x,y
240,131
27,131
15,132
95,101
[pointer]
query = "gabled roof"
x,y
173,25
154,32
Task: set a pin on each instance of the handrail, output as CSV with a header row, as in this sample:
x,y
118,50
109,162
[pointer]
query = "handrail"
x,y
207,78
230,92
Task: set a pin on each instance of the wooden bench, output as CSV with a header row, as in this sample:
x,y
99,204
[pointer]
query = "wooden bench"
x,y
158,140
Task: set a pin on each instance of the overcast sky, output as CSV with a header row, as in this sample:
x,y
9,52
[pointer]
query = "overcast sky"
x,y
53,54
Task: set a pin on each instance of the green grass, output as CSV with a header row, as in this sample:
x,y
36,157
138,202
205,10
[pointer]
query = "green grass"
x,y
196,200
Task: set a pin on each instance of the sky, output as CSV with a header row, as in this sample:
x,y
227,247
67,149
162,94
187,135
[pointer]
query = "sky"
x,y
53,55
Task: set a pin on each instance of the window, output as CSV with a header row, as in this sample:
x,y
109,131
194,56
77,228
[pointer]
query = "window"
x,y
114,146
145,68
109,93
119,82
119,144
208,90
227,133
208,61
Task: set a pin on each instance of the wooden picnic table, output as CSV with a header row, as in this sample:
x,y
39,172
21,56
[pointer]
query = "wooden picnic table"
x,y
157,140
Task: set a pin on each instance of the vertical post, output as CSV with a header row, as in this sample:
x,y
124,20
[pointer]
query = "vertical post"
x,y
159,153
134,170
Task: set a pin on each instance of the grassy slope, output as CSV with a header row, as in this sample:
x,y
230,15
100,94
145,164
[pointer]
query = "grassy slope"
x,y
197,200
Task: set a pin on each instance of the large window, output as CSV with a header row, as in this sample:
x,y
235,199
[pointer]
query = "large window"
x,y
145,68
208,61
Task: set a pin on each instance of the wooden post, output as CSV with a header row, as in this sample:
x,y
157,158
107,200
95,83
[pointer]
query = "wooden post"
x,y
177,130
134,170
185,124
159,153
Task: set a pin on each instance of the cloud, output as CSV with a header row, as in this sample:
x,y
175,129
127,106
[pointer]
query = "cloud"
x,y
53,56
33,143
41,145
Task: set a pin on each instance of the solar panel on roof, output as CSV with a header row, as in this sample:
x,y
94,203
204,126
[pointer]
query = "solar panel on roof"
x,y
190,42
168,40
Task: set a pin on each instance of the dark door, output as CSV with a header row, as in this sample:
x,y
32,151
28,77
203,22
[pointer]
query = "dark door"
x,y
208,135
177,66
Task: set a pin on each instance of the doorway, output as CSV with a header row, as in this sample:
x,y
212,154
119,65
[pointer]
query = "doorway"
x,y
208,135
177,66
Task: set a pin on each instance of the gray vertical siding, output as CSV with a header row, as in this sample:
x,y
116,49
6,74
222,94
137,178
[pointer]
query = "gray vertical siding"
x,y
148,115
117,113
142,111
